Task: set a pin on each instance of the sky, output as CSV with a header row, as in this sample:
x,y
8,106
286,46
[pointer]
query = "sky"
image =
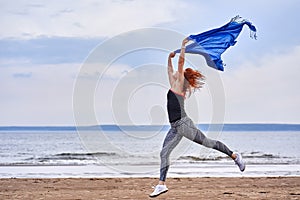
x,y
45,45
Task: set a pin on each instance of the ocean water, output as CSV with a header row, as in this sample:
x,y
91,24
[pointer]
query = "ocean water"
x,y
128,152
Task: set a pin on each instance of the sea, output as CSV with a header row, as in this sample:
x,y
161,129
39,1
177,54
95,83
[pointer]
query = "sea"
x,y
134,151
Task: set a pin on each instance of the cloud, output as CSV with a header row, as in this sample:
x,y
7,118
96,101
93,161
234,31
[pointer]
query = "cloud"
x,y
262,91
47,50
42,46
95,71
22,75
265,90
37,94
83,18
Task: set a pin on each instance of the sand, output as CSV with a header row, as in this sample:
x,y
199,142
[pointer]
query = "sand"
x,y
139,188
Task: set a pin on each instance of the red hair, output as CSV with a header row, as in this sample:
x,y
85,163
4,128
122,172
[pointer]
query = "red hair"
x,y
193,80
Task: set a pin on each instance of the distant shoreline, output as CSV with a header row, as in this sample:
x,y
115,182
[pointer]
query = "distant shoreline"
x,y
204,127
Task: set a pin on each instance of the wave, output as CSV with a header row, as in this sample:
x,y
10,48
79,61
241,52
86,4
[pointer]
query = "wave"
x,y
250,158
76,156
71,155
86,159
65,159
196,158
112,158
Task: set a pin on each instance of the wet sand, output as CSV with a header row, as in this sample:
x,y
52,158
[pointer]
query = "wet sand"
x,y
140,188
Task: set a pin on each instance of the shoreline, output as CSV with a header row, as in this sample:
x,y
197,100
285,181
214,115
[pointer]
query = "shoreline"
x,y
188,170
140,188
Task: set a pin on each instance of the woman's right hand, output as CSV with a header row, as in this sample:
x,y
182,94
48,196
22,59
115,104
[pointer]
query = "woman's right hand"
x,y
186,40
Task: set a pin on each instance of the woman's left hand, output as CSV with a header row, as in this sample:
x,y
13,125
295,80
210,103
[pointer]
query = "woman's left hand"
x,y
172,55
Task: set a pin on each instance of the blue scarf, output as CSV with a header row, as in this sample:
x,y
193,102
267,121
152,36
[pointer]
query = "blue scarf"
x,y
211,44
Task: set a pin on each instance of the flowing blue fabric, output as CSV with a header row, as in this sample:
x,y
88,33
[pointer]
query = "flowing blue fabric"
x,y
211,44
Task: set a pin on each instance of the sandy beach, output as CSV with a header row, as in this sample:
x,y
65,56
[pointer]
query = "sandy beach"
x,y
139,188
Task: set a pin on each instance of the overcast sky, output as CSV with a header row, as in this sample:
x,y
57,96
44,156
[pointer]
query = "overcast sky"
x,y
43,47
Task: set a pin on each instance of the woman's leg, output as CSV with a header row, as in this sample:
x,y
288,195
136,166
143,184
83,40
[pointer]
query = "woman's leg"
x,y
170,142
190,131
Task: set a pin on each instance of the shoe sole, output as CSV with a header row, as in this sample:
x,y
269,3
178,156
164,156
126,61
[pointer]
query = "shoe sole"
x,y
158,194
243,169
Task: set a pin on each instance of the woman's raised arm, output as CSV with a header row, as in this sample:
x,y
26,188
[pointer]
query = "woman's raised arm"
x,y
170,67
182,56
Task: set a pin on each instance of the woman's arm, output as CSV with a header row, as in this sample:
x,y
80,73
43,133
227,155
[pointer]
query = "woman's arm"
x,y
170,68
182,56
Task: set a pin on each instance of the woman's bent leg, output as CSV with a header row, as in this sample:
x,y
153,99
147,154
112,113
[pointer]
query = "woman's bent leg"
x,y
170,142
189,130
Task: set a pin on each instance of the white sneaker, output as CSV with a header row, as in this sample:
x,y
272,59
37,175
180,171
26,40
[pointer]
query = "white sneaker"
x,y
159,189
239,162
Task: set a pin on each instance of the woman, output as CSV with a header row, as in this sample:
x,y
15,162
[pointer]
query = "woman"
x,y
183,82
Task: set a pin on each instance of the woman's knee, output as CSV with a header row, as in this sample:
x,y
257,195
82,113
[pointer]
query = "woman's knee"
x,y
200,138
209,143
163,154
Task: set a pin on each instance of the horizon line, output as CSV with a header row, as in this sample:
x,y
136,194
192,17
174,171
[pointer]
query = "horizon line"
x,y
231,123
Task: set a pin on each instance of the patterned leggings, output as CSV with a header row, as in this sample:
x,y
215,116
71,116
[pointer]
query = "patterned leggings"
x,y
185,128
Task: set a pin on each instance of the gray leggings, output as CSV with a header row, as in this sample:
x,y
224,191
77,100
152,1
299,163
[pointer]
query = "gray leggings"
x,y
185,128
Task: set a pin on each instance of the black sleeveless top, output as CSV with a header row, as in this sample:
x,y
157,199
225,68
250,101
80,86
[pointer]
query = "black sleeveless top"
x,y
175,106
